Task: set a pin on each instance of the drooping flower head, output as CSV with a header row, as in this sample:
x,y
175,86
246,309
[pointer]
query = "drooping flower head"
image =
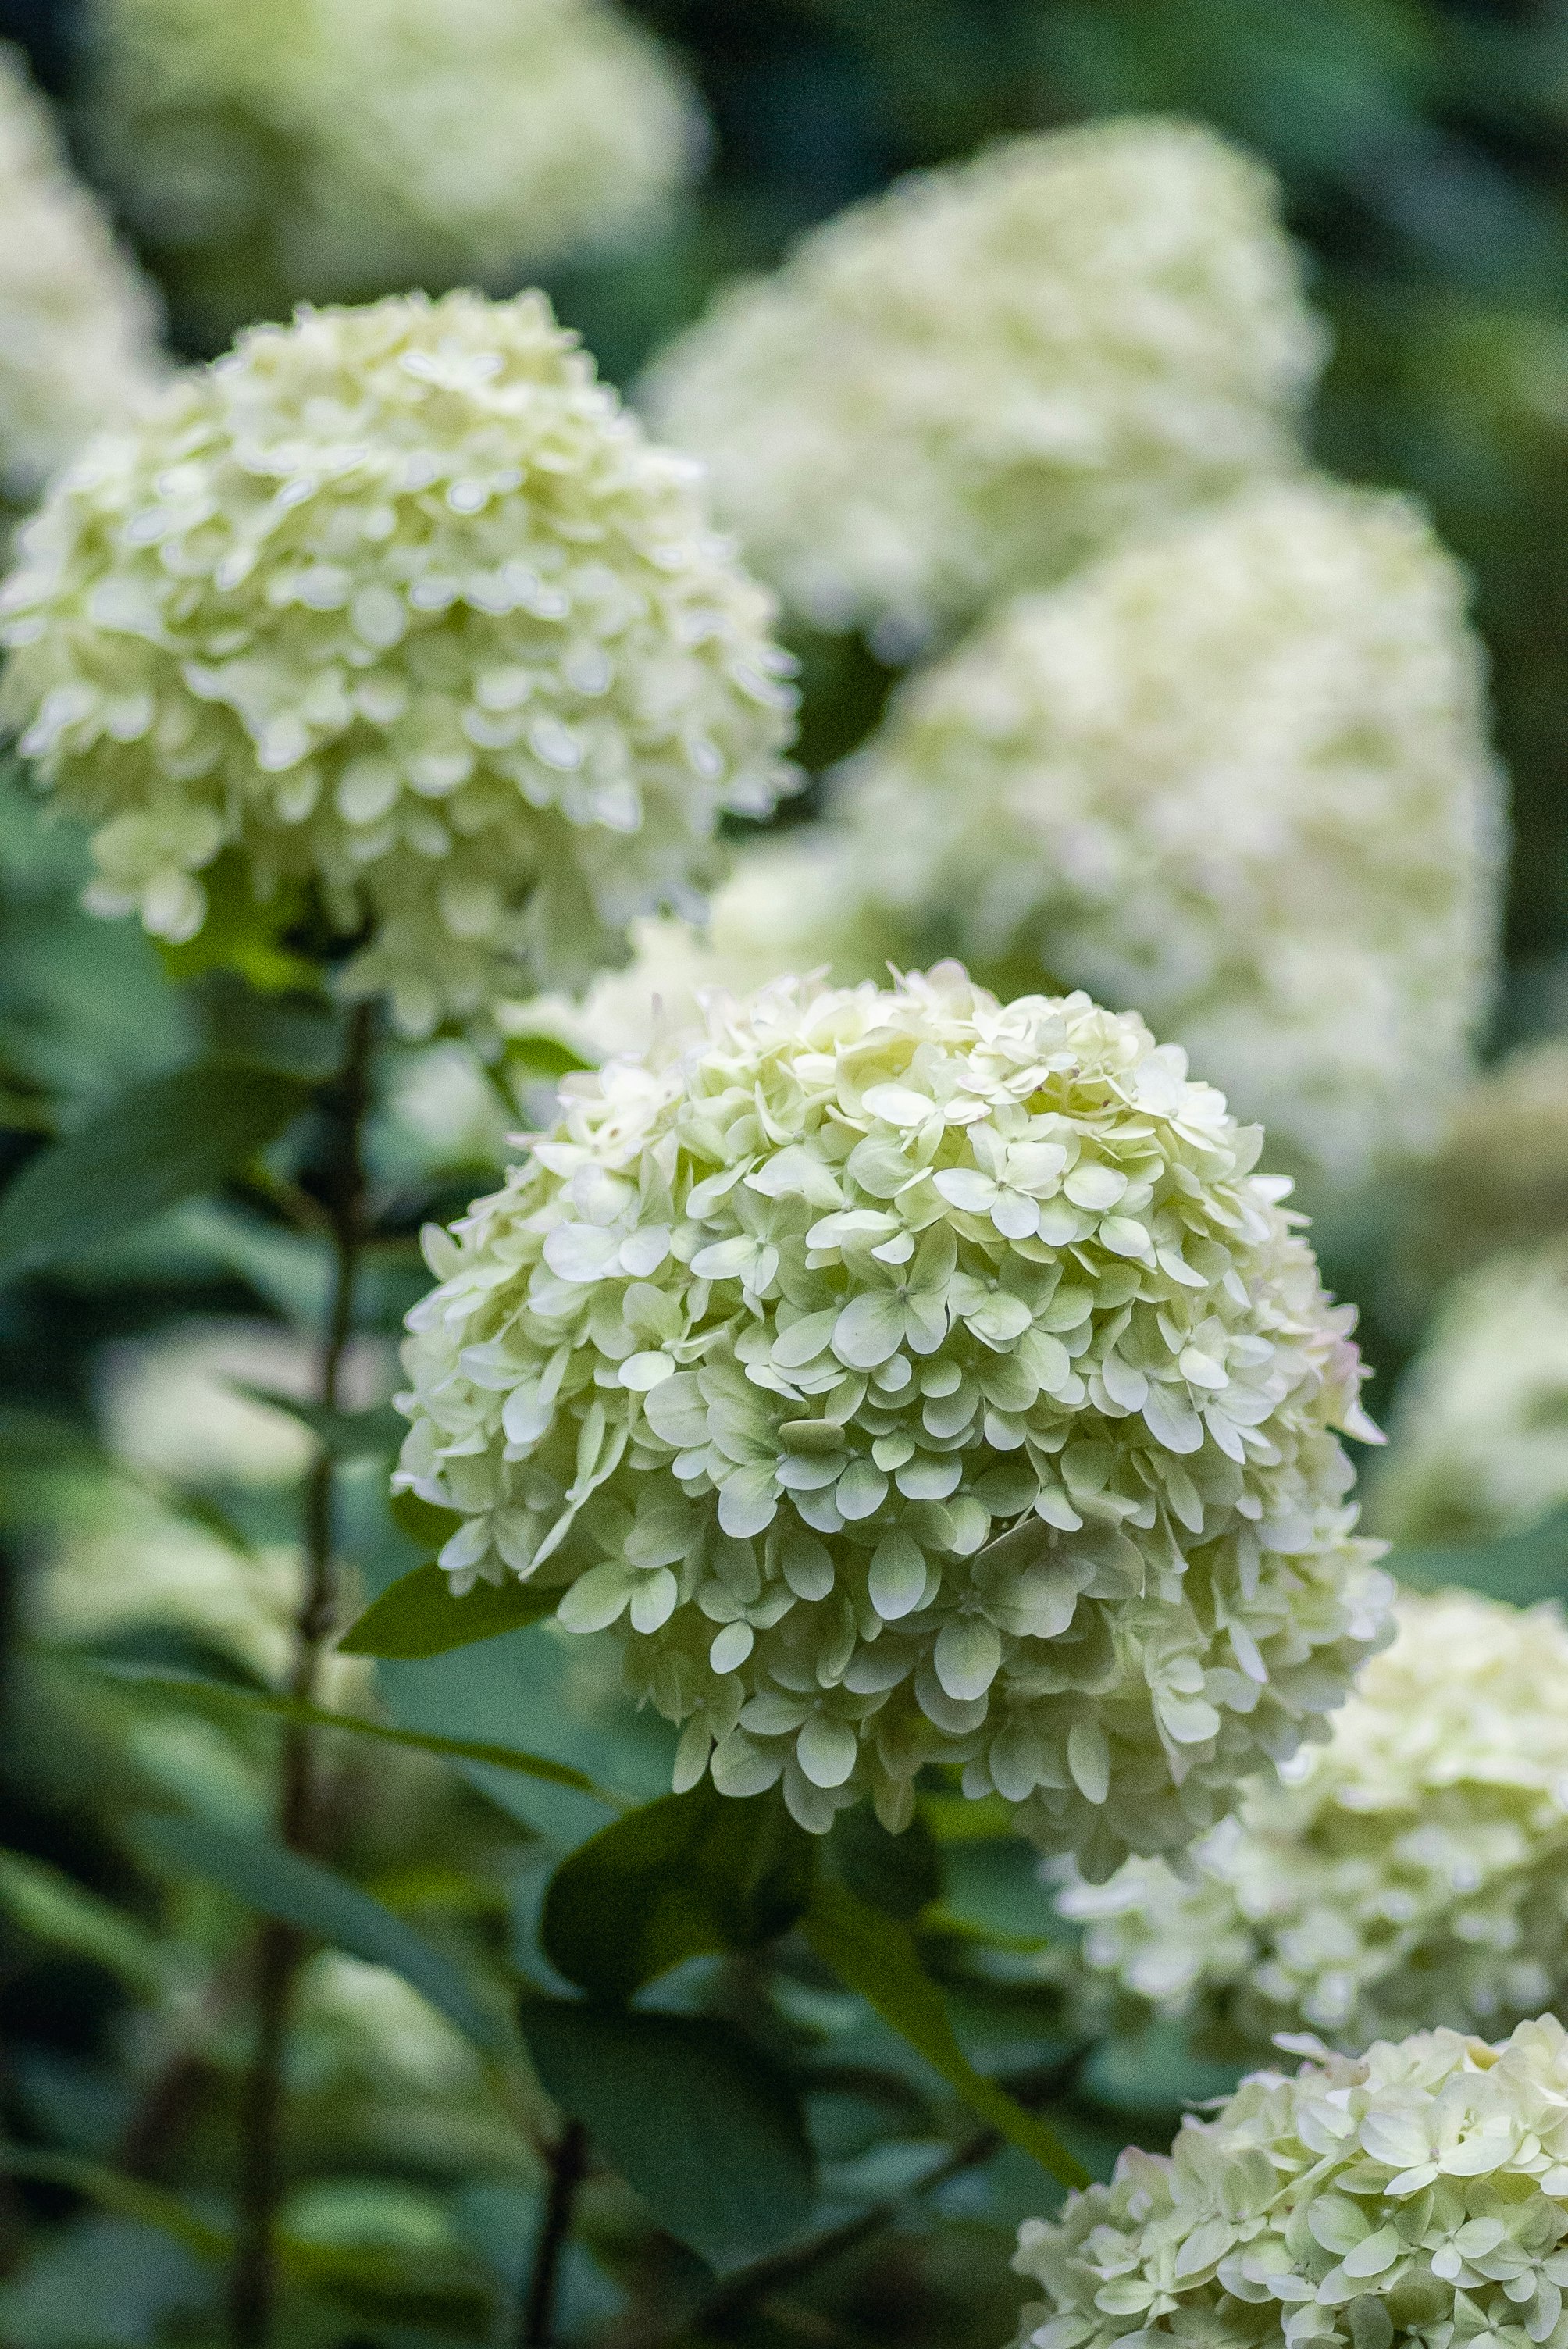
x,y
333,149
399,605
973,382
912,1378
78,325
1417,2194
1408,1873
1477,1443
1237,776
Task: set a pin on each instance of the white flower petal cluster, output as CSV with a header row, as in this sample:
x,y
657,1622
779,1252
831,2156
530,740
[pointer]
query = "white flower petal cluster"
x,y
79,325
1419,2194
1408,1873
333,148
973,382
1499,1179
1237,776
1479,1433
398,604
913,1378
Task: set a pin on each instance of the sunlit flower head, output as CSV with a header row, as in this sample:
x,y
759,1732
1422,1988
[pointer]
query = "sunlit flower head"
x,y
396,608
912,1378
971,383
79,325
332,150
1407,1874
1237,776
1418,2193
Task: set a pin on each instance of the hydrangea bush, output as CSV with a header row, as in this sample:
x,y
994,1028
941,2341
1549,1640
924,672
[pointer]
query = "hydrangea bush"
x,y
398,605
912,1378
972,382
1407,1874
79,325
1237,776
335,149
1481,1415
1418,2193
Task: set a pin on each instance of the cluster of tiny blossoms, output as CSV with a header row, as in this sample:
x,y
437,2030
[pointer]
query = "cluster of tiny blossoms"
x,y
1407,1874
1237,776
968,385
334,149
400,604
1481,1428
1419,2194
915,1379
78,326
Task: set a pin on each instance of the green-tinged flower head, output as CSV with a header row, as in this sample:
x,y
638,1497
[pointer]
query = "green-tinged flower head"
x,y
79,325
1499,1179
333,149
1418,2194
1408,1873
914,1378
1237,775
399,605
1480,1420
969,383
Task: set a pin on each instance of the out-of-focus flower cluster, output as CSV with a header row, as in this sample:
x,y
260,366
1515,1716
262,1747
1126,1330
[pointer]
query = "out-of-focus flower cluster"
x,y
1407,1874
78,325
1236,776
400,606
1499,1179
334,149
914,1378
1419,2194
976,381
1481,1425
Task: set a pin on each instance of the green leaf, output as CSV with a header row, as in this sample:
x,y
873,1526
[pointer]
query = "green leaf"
x,y
874,1955
54,1909
687,1876
154,1146
692,2114
417,1615
1522,1567
342,1435
304,1893
900,1874
226,1697
301,1033
128,2198
428,1528
242,932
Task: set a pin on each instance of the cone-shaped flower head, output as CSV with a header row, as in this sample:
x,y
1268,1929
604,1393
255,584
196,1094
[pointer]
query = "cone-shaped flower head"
x,y
78,325
1407,1874
971,383
1478,1444
913,1378
1237,776
337,149
1418,2194
400,604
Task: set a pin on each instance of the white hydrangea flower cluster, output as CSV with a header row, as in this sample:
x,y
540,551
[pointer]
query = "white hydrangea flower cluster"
x,y
1407,1874
334,149
1499,1179
1237,776
400,604
915,1379
1419,2194
1479,1433
78,324
973,382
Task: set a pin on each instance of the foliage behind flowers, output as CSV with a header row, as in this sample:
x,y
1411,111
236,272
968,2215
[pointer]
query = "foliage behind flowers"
x,y
400,604
1408,1873
977,381
920,1378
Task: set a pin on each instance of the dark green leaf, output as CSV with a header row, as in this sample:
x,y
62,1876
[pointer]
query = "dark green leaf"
x,y
691,2113
1522,1567
288,1708
128,2198
899,1873
876,1956
534,1059
165,1140
242,932
428,1528
298,1891
301,1033
687,1876
418,1616
53,1907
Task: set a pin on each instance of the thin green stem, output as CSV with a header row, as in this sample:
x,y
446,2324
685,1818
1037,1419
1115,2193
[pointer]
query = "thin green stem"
x,y
253,2280
568,2166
